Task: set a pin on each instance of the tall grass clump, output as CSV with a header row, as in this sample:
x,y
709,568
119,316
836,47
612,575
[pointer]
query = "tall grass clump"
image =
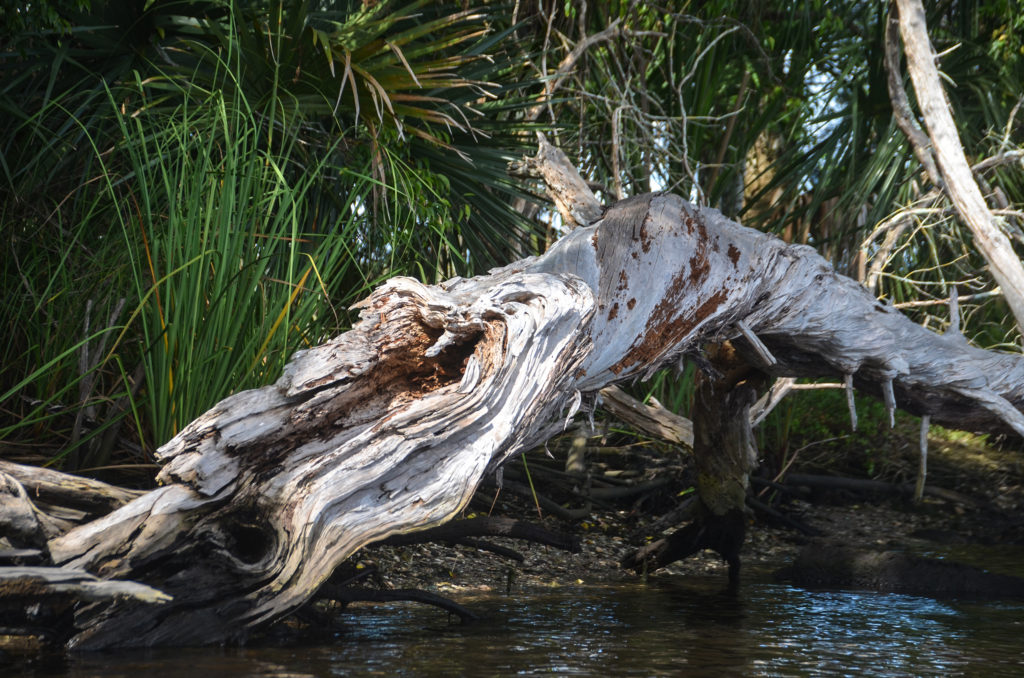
x,y
225,257
234,263
191,198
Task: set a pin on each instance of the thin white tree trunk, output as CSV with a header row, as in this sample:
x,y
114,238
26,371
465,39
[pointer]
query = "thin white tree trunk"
x,y
949,154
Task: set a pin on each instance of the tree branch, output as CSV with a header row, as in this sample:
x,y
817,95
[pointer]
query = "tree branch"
x,y
952,163
920,144
572,196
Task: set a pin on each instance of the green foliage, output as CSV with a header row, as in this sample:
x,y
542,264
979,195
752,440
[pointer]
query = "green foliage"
x,y
19,18
192,191
228,257
814,427
238,172
233,258
671,387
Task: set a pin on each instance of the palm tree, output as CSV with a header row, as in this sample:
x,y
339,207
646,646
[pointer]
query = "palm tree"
x,y
779,113
262,164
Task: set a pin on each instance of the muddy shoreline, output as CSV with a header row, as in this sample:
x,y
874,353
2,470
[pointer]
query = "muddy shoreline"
x,y
874,524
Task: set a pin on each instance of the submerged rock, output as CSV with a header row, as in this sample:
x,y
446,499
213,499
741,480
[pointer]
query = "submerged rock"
x,y
828,566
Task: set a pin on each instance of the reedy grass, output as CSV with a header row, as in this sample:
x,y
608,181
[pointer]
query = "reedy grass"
x,y
234,264
227,211
230,256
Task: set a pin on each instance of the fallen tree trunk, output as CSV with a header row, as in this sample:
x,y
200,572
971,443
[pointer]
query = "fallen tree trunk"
x,y
390,427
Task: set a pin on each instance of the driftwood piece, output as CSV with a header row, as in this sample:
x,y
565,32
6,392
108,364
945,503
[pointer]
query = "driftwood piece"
x,y
36,584
47,486
386,429
488,526
877,486
21,523
390,427
19,556
37,602
353,595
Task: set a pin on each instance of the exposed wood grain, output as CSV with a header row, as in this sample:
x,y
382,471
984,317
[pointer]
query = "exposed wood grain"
x,y
573,199
61,489
390,427
386,429
653,419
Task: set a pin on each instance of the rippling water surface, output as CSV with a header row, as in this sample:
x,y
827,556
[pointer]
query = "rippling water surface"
x,y
673,626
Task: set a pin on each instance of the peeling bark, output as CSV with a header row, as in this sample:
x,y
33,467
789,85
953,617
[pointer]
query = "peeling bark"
x,y
390,427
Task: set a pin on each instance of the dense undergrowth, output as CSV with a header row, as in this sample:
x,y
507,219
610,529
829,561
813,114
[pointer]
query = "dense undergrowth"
x,y
185,211
189,192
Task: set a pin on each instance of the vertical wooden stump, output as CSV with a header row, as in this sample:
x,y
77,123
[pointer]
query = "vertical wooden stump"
x,y
724,454
724,450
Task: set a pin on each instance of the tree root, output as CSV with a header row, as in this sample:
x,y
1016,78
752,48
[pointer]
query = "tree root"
x,y
722,534
346,595
459,531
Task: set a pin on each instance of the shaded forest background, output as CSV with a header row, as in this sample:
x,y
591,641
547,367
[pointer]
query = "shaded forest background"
x,y
191,191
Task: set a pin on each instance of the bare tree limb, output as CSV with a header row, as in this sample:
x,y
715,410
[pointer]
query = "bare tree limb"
x,y
570,193
952,163
566,65
920,144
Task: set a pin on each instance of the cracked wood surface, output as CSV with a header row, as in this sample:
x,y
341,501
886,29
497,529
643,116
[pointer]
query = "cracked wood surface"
x,y
390,427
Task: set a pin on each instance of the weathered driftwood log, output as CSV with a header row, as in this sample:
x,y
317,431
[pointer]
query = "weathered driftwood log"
x,y
39,504
390,427
386,429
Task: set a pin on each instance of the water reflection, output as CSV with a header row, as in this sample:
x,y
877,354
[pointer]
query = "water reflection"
x,y
671,626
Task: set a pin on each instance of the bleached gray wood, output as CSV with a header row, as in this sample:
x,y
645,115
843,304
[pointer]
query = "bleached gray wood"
x,y
61,489
35,584
922,465
390,427
954,312
21,523
381,431
759,348
775,394
572,197
654,419
851,403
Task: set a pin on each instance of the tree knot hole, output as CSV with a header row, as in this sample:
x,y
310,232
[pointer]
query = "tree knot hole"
x,y
250,541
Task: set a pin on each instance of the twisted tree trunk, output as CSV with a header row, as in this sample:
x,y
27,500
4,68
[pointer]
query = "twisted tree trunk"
x,y
390,427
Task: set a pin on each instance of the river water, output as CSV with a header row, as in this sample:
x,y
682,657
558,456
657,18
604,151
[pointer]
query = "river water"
x,y
670,626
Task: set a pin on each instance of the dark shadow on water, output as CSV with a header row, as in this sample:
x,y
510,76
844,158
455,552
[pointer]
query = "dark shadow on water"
x,y
672,625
